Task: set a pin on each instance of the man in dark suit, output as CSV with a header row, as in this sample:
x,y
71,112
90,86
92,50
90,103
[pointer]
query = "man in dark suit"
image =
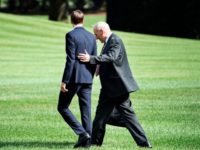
x,y
77,79
117,82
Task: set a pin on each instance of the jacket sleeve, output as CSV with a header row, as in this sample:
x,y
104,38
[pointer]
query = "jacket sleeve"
x,y
70,59
113,53
94,53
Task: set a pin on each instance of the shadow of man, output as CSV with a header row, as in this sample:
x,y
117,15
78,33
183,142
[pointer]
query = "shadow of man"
x,y
35,144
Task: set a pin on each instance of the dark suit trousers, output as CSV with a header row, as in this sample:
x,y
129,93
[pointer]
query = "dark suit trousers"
x,y
105,108
83,92
116,119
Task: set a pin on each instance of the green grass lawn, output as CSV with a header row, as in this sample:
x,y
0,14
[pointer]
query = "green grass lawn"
x,y
32,59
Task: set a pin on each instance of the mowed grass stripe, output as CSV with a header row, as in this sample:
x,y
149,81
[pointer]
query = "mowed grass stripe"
x,y
31,30
29,22
6,36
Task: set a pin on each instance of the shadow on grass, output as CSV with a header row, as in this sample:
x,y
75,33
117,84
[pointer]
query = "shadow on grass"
x,y
38,144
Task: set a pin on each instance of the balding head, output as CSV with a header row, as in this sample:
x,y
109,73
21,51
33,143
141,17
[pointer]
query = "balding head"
x,y
101,26
101,31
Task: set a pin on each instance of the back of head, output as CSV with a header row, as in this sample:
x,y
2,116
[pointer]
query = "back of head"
x,y
101,26
77,17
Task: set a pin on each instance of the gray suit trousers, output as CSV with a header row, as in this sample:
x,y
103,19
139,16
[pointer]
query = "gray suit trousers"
x,y
116,111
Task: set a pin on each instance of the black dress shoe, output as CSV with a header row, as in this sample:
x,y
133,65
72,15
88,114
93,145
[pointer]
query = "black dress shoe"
x,y
82,140
86,144
146,145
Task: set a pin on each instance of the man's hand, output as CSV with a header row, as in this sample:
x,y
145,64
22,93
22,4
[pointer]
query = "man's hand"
x,y
84,57
63,87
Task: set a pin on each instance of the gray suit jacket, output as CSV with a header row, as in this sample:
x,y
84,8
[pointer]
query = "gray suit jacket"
x,y
115,74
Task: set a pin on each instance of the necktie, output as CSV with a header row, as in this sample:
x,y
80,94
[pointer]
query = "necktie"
x,y
98,66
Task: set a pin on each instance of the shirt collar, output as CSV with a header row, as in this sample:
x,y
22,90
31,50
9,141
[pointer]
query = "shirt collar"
x,y
78,25
108,37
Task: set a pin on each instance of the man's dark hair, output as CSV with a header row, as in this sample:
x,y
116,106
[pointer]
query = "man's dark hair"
x,y
77,17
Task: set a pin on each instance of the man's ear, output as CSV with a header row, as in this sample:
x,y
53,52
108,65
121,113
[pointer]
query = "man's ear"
x,y
102,32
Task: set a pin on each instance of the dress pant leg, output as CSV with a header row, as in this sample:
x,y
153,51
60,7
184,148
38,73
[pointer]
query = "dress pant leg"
x,y
84,95
116,119
63,104
104,108
131,121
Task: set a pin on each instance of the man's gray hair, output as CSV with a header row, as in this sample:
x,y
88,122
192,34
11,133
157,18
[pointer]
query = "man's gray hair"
x,y
101,26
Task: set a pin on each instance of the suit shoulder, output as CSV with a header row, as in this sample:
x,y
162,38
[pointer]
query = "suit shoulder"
x,y
115,39
80,31
89,33
70,33
115,36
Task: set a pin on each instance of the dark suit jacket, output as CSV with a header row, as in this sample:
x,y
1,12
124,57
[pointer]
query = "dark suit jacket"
x,y
77,41
115,74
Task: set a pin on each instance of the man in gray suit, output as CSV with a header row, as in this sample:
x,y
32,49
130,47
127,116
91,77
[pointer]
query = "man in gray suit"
x,y
117,82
